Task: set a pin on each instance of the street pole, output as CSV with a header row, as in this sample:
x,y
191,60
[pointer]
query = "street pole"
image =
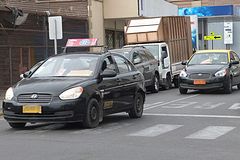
x,y
55,40
212,44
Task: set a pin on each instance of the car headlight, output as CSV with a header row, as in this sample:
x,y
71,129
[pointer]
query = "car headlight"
x,y
183,74
72,93
9,94
221,73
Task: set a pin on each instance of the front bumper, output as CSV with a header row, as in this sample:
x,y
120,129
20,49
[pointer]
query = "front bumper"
x,y
57,111
212,83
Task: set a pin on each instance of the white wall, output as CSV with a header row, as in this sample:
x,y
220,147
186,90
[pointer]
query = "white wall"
x,y
120,9
155,8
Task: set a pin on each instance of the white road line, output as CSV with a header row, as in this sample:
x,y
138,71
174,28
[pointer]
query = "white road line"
x,y
193,115
154,106
211,132
155,130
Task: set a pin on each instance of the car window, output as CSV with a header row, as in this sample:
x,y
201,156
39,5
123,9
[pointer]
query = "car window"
x,y
110,63
209,58
123,65
154,49
143,56
235,56
149,55
67,66
136,59
232,58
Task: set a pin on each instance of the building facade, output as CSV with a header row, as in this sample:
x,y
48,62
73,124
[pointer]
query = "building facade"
x,y
24,29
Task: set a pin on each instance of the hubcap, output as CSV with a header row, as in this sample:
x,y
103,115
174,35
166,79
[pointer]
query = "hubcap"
x,y
156,83
93,113
139,104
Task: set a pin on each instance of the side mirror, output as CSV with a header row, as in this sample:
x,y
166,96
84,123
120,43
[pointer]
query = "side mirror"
x,y
164,54
108,73
184,63
25,75
137,60
235,62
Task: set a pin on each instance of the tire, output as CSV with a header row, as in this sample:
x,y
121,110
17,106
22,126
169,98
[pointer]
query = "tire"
x,y
91,118
17,125
175,83
155,85
238,86
168,83
137,110
183,90
228,87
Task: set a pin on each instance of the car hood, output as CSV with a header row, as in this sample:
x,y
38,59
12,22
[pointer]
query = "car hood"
x,y
51,85
204,68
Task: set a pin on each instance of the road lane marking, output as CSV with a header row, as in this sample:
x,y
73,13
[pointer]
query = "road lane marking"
x,y
155,130
209,105
103,128
211,132
155,106
193,115
235,106
179,105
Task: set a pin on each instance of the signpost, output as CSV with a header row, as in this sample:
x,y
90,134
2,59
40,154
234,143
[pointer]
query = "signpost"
x,y
212,37
55,29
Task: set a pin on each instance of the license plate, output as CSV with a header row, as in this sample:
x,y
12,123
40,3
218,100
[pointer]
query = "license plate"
x,y
31,109
199,82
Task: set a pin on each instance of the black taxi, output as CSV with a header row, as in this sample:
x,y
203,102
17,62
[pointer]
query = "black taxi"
x,y
76,87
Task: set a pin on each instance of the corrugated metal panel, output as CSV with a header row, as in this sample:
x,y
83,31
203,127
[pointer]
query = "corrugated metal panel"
x,y
76,8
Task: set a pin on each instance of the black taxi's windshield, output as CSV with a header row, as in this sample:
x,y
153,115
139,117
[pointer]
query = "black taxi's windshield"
x,y
218,58
68,66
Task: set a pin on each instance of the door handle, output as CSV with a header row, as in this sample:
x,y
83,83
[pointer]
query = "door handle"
x,y
118,80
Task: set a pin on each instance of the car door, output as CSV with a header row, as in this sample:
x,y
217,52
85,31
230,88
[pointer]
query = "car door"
x,y
147,69
127,82
108,86
235,69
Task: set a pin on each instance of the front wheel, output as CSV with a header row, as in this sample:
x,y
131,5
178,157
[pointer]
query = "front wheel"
x,y
155,85
91,119
137,110
168,84
183,90
228,87
17,125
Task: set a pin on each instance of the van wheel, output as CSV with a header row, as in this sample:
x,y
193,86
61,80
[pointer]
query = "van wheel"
x,y
17,125
91,119
175,82
228,87
168,83
183,90
137,110
155,85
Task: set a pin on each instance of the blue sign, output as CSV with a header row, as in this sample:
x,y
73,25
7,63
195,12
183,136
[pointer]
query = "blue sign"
x,y
207,11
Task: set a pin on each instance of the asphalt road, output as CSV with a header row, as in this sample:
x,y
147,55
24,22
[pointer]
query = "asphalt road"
x,y
196,126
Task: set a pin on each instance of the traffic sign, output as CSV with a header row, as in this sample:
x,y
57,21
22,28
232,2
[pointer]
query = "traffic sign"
x,y
214,37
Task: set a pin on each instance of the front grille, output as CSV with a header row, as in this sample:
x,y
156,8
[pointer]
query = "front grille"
x,y
41,98
199,76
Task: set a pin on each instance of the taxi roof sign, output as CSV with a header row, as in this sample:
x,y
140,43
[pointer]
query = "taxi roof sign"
x,y
84,42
